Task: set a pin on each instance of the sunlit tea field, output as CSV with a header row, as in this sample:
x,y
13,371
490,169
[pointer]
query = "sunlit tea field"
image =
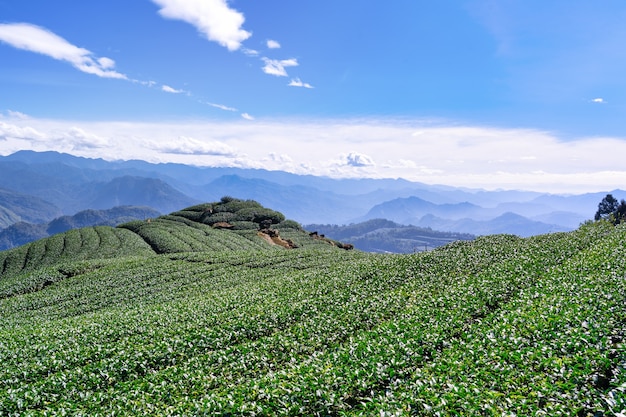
x,y
130,321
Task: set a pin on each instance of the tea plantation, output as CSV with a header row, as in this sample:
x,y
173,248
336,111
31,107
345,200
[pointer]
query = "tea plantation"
x,y
207,312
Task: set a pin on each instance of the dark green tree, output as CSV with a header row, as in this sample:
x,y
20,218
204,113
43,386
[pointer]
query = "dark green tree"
x,y
620,213
606,207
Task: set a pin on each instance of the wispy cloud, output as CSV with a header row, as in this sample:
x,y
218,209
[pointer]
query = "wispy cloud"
x,y
172,90
247,116
222,107
277,67
250,52
272,44
17,114
599,100
213,18
42,41
296,82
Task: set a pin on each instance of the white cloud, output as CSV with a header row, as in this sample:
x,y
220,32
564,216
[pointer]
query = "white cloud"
x,y
39,40
11,131
356,159
598,100
297,82
222,107
277,67
213,18
172,90
418,150
247,116
190,146
78,139
272,44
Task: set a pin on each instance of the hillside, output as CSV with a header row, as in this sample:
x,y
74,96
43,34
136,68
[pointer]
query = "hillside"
x,y
380,235
17,207
229,224
206,312
22,232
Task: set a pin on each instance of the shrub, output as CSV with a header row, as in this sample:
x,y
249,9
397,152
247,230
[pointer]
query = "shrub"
x,y
133,226
219,217
243,225
259,215
289,224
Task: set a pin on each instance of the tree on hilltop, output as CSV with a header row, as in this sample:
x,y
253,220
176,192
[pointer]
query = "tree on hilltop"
x,y
606,207
610,209
620,212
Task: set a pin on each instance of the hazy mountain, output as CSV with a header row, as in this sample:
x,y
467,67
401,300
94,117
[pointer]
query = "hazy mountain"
x,y
21,233
509,223
16,207
381,235
562,218
73,184
405,210
128,190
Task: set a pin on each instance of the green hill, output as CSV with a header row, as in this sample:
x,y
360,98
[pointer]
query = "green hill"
x,y
206,312
22,232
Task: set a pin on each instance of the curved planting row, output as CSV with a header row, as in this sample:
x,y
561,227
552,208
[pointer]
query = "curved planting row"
x,y
499,326
85,243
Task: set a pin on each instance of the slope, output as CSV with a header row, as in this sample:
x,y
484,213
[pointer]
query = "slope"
x,y
380,235
15,207
500,325
228,225
22,232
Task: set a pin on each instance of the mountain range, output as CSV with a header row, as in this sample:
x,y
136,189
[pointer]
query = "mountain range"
x,y
37,187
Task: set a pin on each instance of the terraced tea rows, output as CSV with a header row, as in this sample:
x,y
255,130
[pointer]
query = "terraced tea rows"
x,y
85,243
498,326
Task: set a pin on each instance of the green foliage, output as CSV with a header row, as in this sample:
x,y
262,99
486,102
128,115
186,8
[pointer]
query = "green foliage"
x,y
612,210
22,233
496,326
289,224
225,216
606,207
260,215
99,242
244,225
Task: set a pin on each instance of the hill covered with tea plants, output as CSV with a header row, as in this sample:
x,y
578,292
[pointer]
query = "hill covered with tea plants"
x,y
229,309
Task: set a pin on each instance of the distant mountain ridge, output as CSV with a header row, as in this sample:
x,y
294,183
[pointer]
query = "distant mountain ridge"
x,y
16,207
381,235
69,184
470,218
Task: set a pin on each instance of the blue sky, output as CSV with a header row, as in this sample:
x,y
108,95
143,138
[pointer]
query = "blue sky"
x,y
481,93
